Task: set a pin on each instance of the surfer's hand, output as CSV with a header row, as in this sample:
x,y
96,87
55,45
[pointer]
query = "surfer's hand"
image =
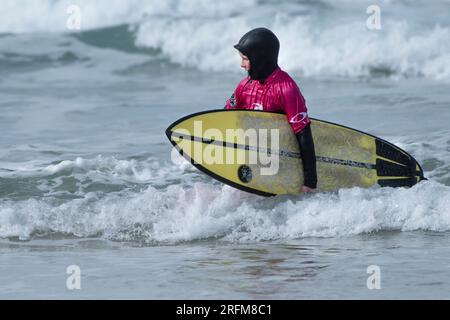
x,y
305,189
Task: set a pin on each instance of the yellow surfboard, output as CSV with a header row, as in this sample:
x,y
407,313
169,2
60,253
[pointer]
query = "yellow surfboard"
x,y
257,151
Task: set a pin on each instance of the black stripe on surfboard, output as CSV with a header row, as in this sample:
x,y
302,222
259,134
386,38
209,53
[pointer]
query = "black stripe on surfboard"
x,y
346,162
270,151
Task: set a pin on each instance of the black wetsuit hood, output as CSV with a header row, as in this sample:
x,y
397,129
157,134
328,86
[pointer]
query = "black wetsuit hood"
x,y
261,46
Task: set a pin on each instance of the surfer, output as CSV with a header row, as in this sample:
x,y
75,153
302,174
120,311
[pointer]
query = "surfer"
x,y
269,88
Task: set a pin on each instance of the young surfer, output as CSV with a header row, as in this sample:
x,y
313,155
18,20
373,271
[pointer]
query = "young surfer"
x,y
269,88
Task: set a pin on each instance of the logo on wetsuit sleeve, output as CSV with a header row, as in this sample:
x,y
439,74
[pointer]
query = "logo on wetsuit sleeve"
x,y
233,100
299,117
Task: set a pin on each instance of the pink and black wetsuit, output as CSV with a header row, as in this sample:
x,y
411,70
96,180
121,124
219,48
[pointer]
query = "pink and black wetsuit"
x,y
268,88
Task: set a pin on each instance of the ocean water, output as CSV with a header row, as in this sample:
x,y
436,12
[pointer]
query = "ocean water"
x,y
87,177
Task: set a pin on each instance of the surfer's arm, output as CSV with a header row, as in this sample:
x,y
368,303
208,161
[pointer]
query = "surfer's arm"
x,y
308,154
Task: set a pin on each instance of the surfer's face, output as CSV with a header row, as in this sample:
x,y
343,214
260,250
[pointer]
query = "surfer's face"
x,y
245,63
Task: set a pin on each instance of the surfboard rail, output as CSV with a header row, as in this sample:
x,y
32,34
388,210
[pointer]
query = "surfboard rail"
x,y
384,163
